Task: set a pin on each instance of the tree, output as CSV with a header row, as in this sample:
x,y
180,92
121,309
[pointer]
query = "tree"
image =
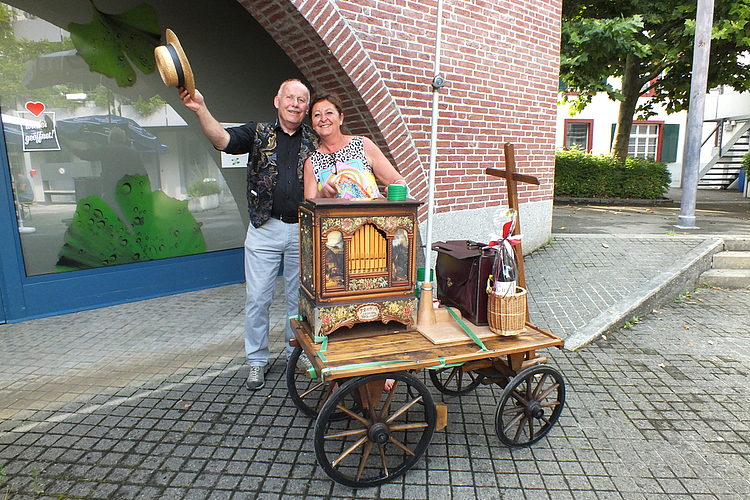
x,y
648,46
13,54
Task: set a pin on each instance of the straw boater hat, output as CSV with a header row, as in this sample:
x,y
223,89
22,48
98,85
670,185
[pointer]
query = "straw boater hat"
x,y
173,64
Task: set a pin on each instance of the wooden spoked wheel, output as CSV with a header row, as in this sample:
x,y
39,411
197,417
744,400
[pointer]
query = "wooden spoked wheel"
x,y
530,405
382,441
453,381
307,393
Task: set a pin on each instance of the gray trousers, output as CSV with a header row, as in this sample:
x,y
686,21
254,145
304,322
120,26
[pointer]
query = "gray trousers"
x,y
265,247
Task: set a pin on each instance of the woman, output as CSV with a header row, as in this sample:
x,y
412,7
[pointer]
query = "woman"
x,y
327,117
339,152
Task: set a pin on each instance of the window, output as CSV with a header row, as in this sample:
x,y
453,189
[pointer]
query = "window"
x,y
645,140
650,92
57,119
655,140
69,152
578,134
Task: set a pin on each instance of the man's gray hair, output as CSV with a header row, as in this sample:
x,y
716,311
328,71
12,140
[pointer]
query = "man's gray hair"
x,y
281,87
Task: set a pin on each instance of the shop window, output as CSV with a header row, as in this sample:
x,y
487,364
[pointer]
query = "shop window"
x,y
578,134
103,175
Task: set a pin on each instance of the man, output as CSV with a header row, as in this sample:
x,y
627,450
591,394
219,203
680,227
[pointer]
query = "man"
x,y
274,191
25,193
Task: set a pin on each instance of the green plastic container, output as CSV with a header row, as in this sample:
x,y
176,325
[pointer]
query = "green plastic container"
x,y
396,192
420,280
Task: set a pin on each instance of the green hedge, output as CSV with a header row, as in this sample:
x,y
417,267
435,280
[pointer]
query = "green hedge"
x,y
583,175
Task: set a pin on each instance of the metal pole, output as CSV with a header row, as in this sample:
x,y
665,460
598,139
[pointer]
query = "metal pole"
x,y
437,82
698,83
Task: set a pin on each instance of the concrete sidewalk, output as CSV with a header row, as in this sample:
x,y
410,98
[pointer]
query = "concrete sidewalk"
x,y
648,244
717,212
146,400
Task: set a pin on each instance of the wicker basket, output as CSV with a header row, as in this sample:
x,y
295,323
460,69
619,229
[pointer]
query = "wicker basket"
x,y
506,314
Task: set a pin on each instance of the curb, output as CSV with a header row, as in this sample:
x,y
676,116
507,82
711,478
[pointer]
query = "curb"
x,y
560,200
663,287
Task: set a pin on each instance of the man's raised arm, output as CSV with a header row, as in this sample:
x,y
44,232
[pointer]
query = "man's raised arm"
x,y
211,127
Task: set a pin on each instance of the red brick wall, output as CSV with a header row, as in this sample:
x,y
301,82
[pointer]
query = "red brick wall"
x,y
500,60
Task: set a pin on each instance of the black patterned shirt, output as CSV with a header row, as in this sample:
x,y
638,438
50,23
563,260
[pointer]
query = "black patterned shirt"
x,y
259,139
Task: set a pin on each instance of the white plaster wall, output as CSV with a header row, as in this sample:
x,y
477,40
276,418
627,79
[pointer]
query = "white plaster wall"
x,y
723,103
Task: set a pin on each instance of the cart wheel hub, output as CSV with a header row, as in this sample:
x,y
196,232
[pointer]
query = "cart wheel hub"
x,y
534,410
379,433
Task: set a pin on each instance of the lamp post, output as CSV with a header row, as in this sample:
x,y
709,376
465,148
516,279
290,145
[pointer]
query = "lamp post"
x,y
694,130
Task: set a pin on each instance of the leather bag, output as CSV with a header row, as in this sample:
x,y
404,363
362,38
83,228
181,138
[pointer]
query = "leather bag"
x,y
461,273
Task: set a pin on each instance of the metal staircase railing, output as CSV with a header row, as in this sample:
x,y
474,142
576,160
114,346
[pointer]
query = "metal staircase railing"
x,y
724,167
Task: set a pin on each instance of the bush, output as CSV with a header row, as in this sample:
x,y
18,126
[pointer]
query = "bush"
x,y
148,107
746,163
583,175
201,187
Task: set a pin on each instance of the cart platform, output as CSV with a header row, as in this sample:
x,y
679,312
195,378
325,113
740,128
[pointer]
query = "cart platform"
x,y
364,351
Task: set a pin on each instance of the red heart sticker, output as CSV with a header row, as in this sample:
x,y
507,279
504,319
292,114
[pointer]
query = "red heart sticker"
x,y
35,107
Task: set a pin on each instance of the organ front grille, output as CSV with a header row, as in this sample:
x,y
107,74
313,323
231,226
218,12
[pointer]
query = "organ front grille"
x,y
368,251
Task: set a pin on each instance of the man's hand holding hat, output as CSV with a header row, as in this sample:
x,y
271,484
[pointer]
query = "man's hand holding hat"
x,y
173,64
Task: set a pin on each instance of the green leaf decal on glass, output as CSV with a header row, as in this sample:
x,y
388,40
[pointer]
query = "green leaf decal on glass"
x,y
105,42
162,227
96,238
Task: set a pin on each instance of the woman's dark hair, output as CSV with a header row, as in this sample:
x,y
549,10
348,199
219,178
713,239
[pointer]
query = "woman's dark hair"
x,y
326,96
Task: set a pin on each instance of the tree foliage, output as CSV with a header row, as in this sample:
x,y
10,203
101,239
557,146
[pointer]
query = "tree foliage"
x,y
648,46
13,54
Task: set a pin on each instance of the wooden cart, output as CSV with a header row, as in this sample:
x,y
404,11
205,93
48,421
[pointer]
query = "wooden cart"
x,y
367,434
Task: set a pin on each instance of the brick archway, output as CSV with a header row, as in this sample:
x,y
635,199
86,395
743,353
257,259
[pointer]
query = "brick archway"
x,y
320,41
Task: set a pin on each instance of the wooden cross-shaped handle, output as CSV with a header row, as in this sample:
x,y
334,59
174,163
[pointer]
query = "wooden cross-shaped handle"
x,y
511,178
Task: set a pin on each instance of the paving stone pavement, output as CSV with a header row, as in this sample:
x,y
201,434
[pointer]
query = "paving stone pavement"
x,y
146,400
578,277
